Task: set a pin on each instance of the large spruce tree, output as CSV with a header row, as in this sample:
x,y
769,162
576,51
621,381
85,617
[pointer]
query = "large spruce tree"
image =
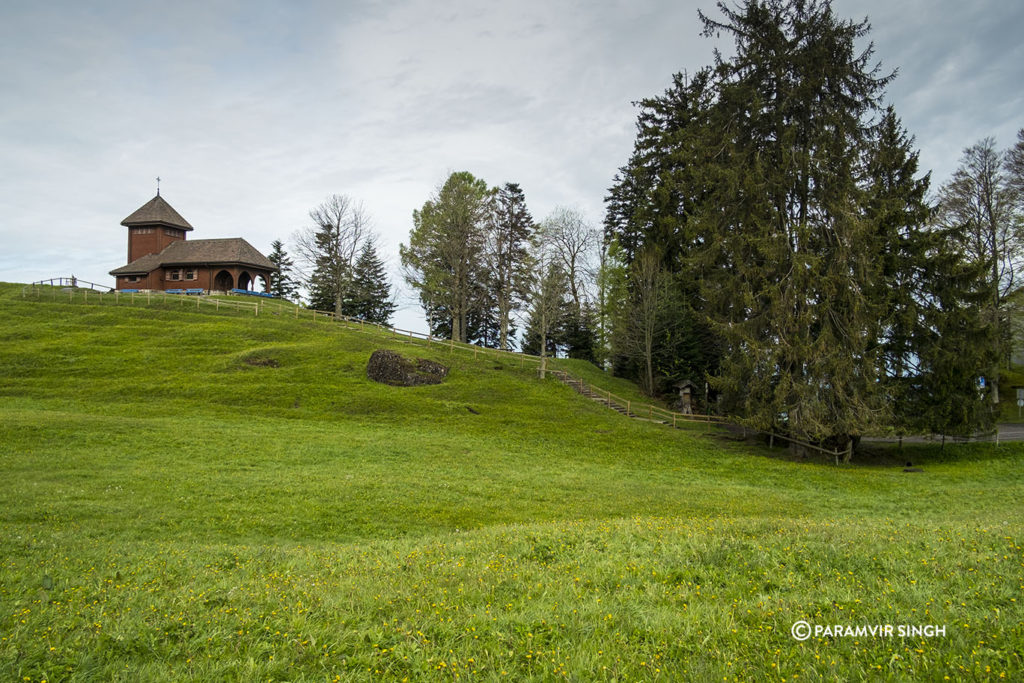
x,y
784,199
508,258
284,285
899,213
371,299
651,205
786,220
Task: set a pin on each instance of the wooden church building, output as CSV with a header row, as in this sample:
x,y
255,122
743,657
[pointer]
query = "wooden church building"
x,y
160,258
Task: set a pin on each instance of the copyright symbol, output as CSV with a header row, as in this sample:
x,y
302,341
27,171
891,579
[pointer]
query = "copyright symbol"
x,y
801,630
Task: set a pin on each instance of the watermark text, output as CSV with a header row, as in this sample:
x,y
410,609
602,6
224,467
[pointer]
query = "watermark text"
x,y
803,630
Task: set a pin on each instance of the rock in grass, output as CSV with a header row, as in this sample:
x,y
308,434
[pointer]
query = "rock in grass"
x,y
388,367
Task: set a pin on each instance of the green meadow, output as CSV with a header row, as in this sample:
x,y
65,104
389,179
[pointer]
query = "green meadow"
x,y
192,494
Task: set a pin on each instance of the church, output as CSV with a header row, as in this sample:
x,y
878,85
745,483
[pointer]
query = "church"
x,y
160,258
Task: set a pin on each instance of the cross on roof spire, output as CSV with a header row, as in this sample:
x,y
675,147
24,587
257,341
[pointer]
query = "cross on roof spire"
x,y
158,186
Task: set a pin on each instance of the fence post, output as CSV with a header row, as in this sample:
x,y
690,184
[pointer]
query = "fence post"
x,y
627,408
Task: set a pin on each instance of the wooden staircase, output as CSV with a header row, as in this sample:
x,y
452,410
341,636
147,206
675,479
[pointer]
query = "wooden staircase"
x,y
646,412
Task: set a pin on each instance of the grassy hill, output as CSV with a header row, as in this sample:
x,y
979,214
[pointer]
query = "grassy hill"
x,y
209,495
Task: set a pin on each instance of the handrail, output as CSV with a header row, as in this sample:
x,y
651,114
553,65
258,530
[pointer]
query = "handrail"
x,y
637,410
68,282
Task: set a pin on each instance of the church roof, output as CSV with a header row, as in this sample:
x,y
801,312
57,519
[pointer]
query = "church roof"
x,y
215,252
157,212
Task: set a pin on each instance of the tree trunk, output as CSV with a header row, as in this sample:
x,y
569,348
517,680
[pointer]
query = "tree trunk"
x,y
649,361
543,350
503,316
848,455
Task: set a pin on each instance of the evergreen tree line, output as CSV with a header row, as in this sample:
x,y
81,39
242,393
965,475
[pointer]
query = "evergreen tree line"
x,y
481,264
772,235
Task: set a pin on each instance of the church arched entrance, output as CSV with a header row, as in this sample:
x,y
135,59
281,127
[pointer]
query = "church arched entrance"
x,y
244,280
223,281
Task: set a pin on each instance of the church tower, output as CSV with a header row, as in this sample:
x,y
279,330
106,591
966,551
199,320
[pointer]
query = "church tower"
x,y
152,227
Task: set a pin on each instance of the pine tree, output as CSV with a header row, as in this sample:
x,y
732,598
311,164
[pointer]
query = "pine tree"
x,y
284,285
330,279
1015,171
655,194
955,343
578,335
652,204
898,210
508,258
371,300
788,252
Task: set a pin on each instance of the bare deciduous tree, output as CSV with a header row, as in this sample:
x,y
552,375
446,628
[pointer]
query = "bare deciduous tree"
x,y
979,205
327,249
574,240
645,308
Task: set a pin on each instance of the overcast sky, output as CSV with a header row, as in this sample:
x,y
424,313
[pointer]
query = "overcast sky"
x,y
254,112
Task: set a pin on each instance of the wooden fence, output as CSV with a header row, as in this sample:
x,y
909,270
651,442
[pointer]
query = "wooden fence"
x,y
70,287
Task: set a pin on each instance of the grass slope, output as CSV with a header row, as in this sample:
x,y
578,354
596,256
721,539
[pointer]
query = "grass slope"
x,y
212,496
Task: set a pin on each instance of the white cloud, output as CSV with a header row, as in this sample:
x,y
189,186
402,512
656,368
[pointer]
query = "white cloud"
x,y
254,112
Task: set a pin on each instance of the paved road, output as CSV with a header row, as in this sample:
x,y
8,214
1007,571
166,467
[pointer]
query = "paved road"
x,y
1007,432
